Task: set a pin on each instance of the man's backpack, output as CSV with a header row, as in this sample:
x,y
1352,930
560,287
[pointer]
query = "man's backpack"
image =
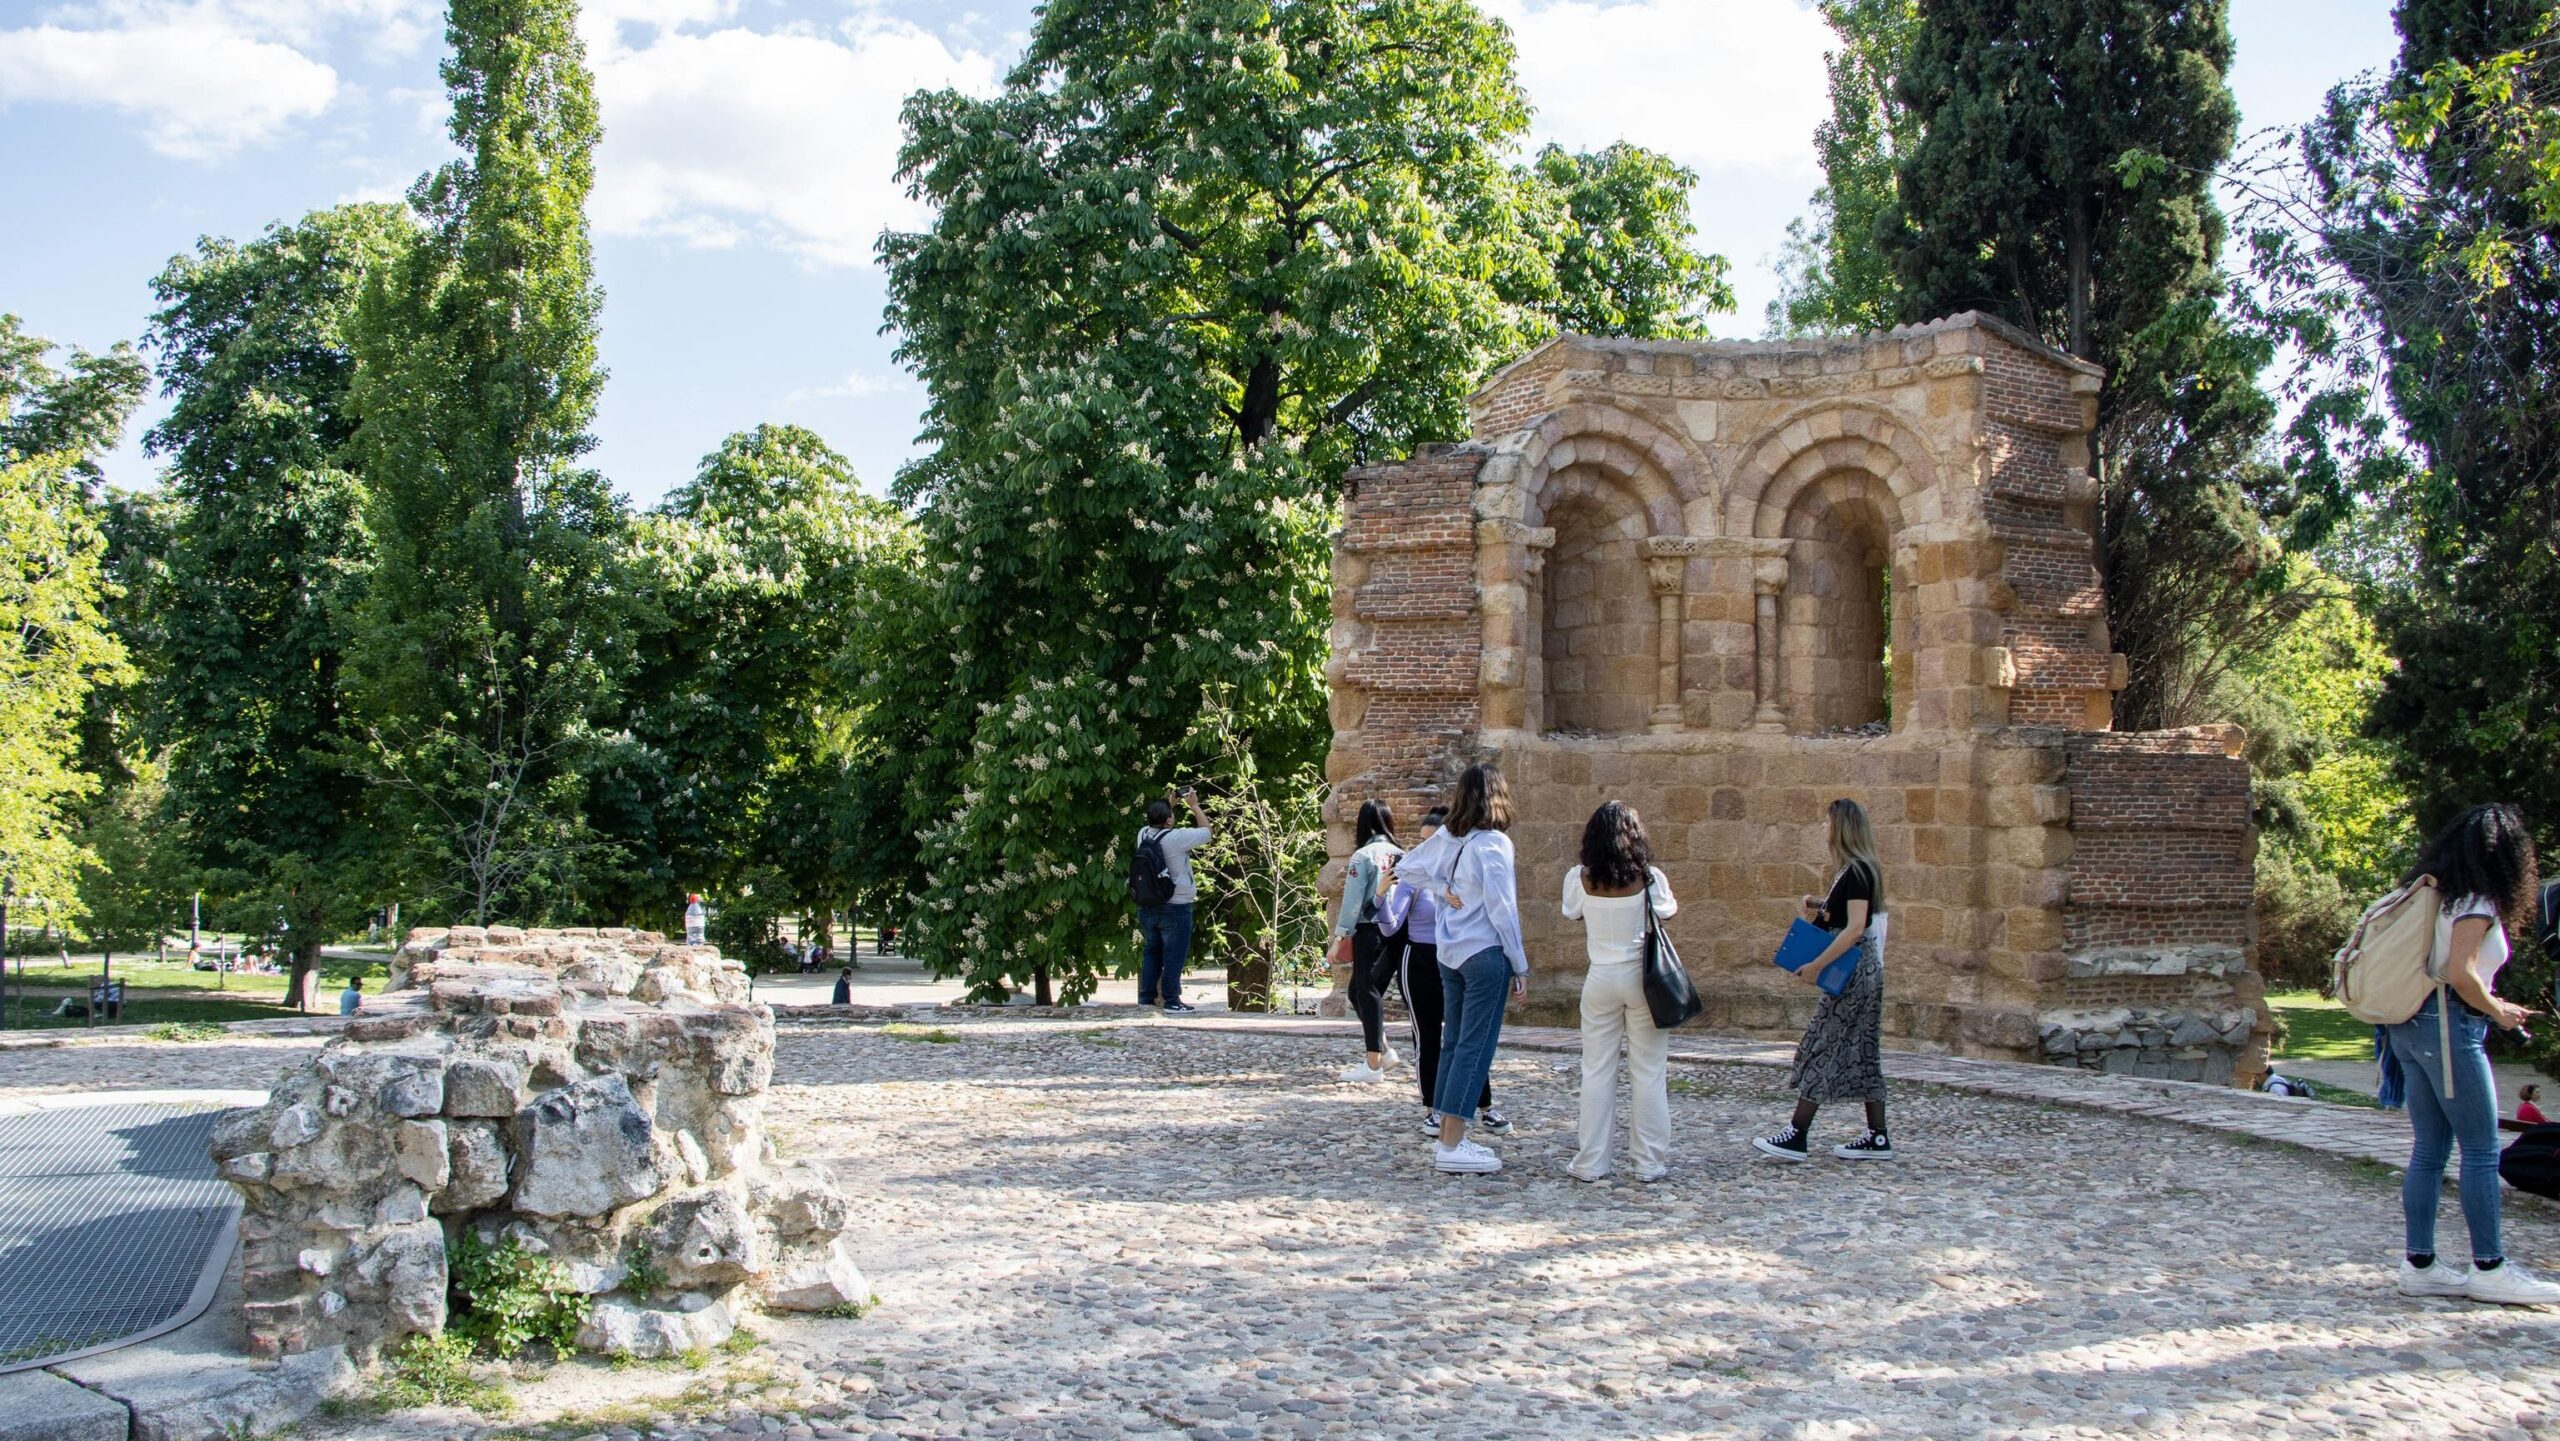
x,y
1150,874
2389,965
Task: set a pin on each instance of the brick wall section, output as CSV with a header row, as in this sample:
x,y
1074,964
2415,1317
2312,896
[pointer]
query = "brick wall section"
x,y
2049,563
2161,849
1516,397
1406,702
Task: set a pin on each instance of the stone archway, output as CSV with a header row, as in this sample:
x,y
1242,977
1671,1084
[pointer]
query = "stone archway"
x,y
1595,658
1844,620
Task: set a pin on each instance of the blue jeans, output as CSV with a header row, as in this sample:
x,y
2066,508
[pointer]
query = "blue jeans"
x,y
1474,995
1167,930
2469,1117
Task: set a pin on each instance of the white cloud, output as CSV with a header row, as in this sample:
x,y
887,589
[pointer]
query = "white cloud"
x,y
1719,85
200,90
858,385
789,136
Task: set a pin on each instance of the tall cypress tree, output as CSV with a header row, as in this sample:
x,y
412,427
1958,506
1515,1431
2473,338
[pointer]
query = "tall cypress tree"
x,y
488,640
2062,181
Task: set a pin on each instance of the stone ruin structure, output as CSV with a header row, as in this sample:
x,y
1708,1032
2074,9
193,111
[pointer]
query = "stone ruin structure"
x,y
596,1094
1726,582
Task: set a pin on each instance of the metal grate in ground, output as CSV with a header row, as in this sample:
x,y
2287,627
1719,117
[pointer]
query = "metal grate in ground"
x,y
112,1226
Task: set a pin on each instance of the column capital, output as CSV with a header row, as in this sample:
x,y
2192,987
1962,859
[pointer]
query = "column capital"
x,y
1666,574
1769,575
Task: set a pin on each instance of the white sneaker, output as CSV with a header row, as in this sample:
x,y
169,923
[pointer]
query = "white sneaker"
x,y
1361,1072
2511,1285
2441,1279
1465,1158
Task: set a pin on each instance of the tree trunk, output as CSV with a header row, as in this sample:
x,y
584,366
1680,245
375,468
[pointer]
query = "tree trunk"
x,y
1040,986
2077,243
298,980
1249,979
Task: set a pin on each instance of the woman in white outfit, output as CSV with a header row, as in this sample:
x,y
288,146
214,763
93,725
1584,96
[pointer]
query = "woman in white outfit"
x,y
1610,893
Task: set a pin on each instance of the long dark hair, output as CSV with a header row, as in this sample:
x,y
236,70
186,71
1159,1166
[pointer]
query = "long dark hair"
x,y
1375,820
1614,855
2485,852
1482,802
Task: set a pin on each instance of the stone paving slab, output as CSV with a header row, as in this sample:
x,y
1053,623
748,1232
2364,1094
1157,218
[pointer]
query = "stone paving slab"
x,y
40,1406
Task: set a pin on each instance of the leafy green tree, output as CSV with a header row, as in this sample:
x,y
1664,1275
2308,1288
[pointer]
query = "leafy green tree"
x,y
58,642
1834,276
267,565
1624,261
1191,261
2061,179
762,578
489,638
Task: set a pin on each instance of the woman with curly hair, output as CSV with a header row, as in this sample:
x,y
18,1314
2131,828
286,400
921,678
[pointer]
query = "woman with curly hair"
x,y
2482,868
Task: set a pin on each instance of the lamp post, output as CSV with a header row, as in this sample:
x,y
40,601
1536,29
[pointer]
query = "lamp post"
x,y
8,889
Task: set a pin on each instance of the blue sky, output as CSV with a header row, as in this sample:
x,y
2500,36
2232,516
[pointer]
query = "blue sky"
x,y
746,165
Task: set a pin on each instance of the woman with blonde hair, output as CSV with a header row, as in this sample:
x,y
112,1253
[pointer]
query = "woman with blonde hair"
x,y
1841,1057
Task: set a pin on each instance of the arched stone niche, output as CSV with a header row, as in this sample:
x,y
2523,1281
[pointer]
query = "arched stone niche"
x,y
1595,614
1839,667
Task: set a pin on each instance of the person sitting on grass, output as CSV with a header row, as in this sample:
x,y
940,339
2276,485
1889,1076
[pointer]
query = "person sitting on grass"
x,y
351,1000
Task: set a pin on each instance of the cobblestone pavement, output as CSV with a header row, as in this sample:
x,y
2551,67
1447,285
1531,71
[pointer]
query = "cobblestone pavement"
x,y
1223,1242
1158,1231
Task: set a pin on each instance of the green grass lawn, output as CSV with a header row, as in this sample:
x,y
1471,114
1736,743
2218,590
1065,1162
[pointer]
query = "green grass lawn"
x,y
2319,1029
158,993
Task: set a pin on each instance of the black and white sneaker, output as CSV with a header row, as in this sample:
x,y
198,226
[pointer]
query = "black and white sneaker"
x,y
1179,1008
1873,1146
1494,1121
1787,1145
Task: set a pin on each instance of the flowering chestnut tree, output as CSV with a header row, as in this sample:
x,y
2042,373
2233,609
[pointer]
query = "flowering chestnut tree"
x,y
1194,259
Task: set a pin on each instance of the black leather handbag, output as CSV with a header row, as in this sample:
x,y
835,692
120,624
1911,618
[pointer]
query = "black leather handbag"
x,y
1667,992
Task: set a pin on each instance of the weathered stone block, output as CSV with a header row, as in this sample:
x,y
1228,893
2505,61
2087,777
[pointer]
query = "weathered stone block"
x,y
585,1150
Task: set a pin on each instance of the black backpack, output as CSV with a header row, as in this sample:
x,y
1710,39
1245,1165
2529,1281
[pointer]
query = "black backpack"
x,y
1150,875
2549,930
2532,1162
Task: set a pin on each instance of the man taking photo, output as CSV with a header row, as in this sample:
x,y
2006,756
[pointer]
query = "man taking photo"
x,y
1160,882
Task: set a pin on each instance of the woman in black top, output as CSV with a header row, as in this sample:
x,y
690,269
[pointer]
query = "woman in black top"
x,y
1841,1057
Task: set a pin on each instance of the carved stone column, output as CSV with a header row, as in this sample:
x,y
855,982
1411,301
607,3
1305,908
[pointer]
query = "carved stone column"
x,y
1666,568
1768,582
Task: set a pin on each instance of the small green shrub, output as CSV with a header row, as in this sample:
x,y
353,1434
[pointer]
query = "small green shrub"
x,y
933,1035
436,1371
505,1298
849,1310
642,1276
186,1031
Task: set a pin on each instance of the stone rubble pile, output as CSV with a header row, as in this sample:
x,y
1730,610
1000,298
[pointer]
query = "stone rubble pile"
x,y
597,1095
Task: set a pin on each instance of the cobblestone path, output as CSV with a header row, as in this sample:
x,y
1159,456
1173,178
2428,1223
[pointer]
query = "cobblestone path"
x,y
1155,1231
1142,1231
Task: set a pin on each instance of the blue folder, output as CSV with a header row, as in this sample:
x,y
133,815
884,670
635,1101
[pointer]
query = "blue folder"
x,y
1804,941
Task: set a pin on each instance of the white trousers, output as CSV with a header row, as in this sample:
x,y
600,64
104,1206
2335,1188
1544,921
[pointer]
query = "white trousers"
x,y
1613,1009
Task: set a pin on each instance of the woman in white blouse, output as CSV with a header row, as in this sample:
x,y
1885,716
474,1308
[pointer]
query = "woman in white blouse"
x,y
1610,893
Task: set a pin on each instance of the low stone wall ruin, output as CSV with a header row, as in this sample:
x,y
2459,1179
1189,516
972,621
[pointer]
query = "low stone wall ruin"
x,y
598,1095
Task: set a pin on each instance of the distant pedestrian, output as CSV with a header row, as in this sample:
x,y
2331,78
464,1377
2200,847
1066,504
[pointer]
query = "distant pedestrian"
x,y
1841,1057
1356,935
1470,868
2482,868
1411,920
1160,882
844,987
1617,893
351,1000
2526,1110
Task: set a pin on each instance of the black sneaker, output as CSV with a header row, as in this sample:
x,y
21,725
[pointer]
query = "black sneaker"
x,y
1180,1007
1494,1121
1873,1146
1787,1145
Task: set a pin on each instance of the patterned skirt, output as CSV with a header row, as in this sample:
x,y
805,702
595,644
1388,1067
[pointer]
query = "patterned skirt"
x,y
1841,1057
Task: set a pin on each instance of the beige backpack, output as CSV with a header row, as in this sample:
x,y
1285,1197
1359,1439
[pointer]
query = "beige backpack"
x,y
2389,965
